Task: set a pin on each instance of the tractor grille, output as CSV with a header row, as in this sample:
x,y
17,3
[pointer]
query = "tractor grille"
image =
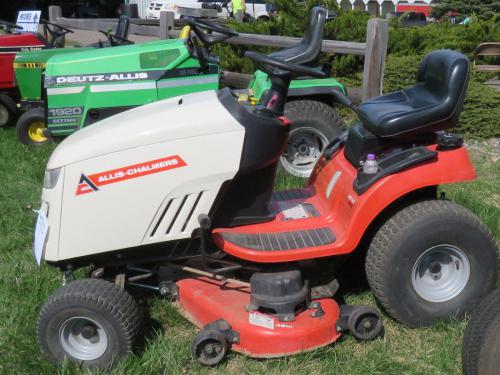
x,y
176,215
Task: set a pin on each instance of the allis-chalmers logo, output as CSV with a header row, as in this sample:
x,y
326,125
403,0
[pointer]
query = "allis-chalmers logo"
x,y
91,183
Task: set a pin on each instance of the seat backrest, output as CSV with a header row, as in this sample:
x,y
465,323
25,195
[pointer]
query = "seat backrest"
x,y
307,51
444,74
122,27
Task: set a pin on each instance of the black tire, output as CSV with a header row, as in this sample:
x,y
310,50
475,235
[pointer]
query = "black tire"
x,y
209,347
481,344
34,117
8,111
400,257
319,124
94,305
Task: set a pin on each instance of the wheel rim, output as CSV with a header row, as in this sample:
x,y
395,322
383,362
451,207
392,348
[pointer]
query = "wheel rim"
x,y
441,273
304,148
211,351
4,115
36,131
83,338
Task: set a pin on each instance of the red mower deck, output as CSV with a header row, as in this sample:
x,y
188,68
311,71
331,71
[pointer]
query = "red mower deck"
x,y
203,301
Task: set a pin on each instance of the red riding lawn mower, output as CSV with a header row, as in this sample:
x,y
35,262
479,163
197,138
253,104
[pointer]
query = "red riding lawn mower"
x,y
177,197
12,41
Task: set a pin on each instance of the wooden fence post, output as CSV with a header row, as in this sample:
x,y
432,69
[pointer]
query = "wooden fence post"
x,y
167,20
55,12
377,37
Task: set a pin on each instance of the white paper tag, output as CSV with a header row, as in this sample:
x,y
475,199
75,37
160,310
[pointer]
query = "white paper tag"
x,y
260,320
295,212
41,229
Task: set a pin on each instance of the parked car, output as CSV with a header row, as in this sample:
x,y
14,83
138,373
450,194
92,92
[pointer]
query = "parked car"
x,y
408,19
255,8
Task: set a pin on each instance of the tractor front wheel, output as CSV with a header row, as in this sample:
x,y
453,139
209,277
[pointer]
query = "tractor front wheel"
x,y
314,125
431,261
92,322
31,127
8,111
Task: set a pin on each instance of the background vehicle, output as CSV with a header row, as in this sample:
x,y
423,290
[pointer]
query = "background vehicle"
x,y
255,8
29,68
408,19
12,42
481,343
86,87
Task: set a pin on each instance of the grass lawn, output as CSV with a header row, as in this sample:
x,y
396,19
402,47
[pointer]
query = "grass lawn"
x,y
24,287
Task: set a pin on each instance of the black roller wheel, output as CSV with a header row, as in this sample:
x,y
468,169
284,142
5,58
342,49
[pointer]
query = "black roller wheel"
x,y
314,125
481,345
92,322
431,261
364,323
8,111
31,127
209,347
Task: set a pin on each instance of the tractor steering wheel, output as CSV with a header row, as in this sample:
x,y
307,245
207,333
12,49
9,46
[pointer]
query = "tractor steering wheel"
x,y
197,25
112,37
9,26
57,33
282,68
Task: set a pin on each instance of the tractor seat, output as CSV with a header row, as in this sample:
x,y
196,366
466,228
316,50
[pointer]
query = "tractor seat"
x,y
433,104
122,27
307,51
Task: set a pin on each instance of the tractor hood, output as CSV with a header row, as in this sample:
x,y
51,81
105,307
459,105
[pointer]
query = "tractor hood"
x,y
192,115
162,54
42,56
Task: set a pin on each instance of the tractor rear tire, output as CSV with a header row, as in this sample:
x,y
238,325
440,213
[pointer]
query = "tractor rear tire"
x,y
92,322
481,344
8,111
430,261
31,127
314,125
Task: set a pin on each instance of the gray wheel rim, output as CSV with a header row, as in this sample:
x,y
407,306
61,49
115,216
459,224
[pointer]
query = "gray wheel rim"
x,y
4,115
304,148
441,273
83,338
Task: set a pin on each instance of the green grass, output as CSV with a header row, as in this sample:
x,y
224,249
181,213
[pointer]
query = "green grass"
x,y
24,287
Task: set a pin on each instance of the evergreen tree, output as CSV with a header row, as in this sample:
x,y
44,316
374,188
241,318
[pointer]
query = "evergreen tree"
x,y
485,9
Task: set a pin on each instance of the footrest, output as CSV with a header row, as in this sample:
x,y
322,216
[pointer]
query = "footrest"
x,y
279,241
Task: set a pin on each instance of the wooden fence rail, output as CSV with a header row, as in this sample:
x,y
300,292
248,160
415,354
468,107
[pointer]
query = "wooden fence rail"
x,y
374,49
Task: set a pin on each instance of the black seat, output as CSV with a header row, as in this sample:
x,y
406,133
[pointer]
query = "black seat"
x,y
306,52
433,104
122,27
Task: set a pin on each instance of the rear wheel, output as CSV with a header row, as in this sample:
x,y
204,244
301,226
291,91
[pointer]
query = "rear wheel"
x,y
31,127
430,261
314,125
91,321
8,111
481,344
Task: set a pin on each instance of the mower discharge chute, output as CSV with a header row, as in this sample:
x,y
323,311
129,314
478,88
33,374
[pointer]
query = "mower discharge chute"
x,y
86,87
176,197
29,69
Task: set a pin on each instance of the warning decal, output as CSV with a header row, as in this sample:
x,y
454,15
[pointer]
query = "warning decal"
x,y
91,183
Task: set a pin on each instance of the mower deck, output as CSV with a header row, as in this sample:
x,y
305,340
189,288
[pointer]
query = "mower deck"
x,y
203,301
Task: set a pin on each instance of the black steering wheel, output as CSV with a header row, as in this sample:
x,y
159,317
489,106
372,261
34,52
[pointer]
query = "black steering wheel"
x,y
9,26
112,37
282,68
58,29
197,25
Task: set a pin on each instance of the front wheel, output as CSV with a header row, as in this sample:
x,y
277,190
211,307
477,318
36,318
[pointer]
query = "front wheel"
x,y
8,110
314,125
431,261
92,322
31,127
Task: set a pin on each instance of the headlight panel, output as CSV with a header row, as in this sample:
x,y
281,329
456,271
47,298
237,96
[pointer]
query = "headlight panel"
x,y
50,178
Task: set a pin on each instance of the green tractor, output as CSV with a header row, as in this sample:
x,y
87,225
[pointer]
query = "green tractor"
x,y
84,87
